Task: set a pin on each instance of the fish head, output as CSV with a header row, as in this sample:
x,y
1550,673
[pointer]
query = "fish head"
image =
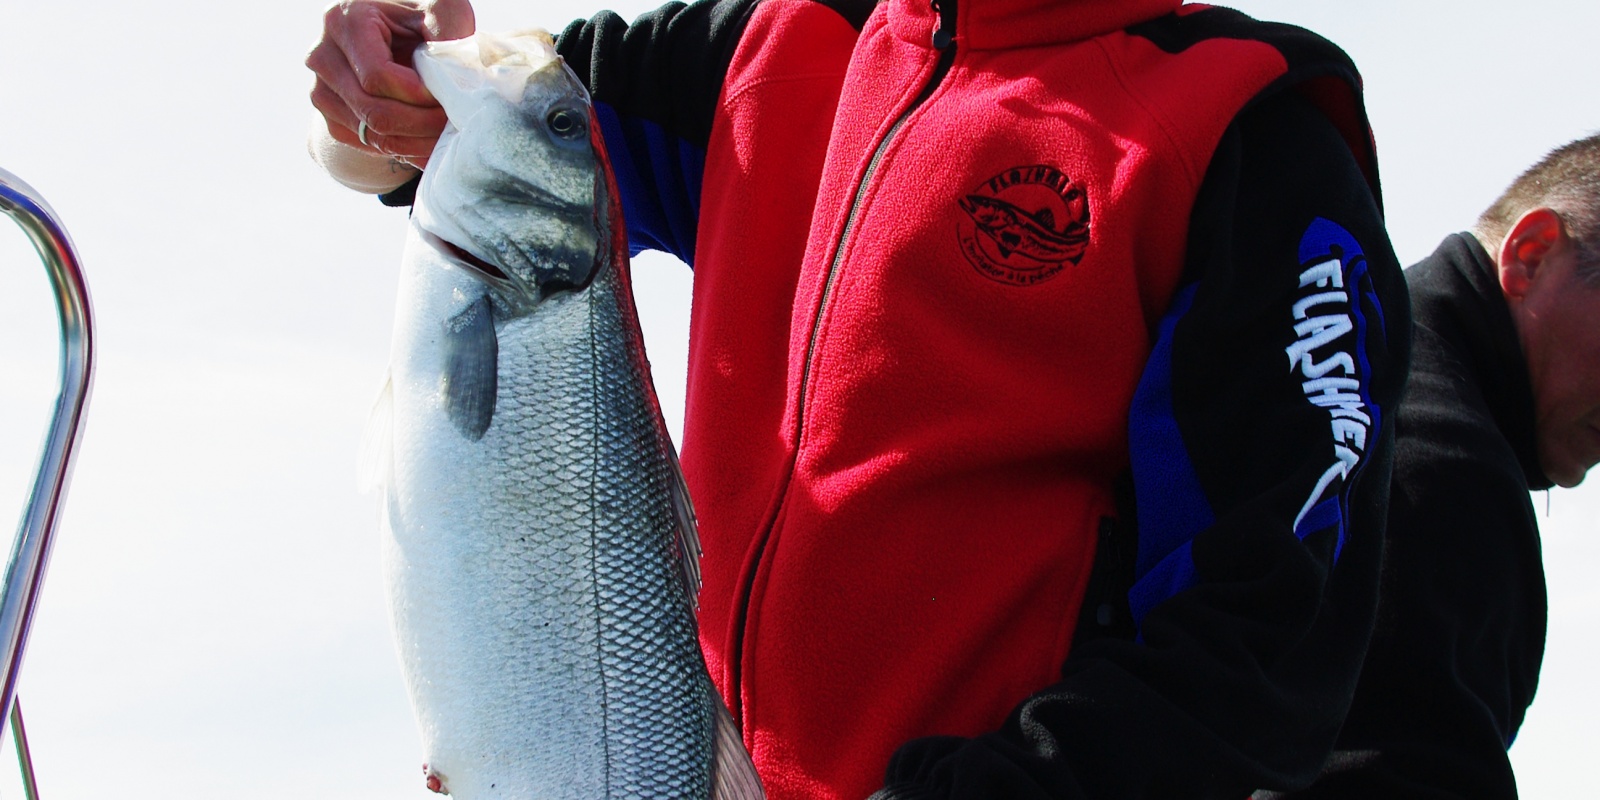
x,y
516,190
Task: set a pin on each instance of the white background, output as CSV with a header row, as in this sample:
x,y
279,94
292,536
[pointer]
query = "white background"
x,y
213,626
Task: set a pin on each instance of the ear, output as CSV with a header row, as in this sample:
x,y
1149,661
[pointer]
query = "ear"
x,y
1527,247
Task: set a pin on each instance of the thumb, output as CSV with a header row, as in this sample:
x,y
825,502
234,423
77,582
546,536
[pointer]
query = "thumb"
x,y
449,19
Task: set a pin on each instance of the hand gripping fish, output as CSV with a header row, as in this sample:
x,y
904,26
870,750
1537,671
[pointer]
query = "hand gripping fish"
x,y
541,555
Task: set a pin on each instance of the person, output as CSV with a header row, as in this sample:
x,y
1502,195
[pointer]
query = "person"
x,y
1041,359
1504,398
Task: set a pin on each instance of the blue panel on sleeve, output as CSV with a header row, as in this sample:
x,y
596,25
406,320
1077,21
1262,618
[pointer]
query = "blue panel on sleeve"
x,y
659,176
1173,574
1325,239
1326,514
1172,507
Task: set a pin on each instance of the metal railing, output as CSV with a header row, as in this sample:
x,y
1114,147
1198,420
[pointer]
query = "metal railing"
x,y
25,571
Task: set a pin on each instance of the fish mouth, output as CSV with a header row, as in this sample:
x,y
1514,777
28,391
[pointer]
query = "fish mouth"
x,y
487,272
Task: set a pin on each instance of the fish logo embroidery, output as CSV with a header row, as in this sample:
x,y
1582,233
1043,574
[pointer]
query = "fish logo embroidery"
x,y
1025,225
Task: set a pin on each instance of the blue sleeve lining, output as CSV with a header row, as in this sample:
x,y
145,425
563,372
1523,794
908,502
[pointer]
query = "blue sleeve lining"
x,y
659,176
1172,508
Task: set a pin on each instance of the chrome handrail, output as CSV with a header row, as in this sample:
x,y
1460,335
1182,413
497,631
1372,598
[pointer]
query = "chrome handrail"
x,y
25,572
19,732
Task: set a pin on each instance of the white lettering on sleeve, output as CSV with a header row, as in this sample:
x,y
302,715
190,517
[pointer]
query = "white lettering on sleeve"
x,y
1315,355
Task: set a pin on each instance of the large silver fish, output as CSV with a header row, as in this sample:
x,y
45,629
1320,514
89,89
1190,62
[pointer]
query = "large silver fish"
x,y
541,554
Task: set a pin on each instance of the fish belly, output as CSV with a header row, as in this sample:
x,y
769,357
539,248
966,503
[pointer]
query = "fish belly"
x,y
545,634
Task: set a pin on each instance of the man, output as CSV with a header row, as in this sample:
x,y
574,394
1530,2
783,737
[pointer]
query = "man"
x,y
1504,398
965,275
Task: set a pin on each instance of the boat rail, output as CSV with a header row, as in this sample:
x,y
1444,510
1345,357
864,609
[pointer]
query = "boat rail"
x,y
30,552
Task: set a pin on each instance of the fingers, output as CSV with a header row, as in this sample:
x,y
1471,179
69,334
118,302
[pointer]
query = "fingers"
x,y
378,50
341,98
363,69
449,19
356,167
373,42
406,132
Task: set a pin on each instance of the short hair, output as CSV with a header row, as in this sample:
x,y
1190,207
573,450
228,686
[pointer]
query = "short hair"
x,y
1566,181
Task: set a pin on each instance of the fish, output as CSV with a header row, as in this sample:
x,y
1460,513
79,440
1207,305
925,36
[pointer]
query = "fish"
x,y
539,545
1031,235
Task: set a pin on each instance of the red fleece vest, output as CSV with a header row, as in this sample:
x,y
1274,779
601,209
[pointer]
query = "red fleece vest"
x,y
910,373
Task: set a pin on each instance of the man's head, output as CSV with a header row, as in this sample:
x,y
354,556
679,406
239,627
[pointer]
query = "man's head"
x,y
1544,234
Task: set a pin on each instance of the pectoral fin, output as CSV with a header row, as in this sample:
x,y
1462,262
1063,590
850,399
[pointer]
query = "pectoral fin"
x,y
471,369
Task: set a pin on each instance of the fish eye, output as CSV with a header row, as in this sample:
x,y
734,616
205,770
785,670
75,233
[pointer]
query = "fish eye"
x,y
566,123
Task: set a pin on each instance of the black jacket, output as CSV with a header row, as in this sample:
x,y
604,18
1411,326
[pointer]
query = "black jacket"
x,y
1455,659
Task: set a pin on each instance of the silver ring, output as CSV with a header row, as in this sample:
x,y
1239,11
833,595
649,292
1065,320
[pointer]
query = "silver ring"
x,y
361,133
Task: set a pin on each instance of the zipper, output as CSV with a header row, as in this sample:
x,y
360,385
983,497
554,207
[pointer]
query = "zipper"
x,y
943,40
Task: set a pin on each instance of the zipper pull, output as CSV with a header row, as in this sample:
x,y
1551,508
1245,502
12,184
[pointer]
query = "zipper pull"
x,y
946,32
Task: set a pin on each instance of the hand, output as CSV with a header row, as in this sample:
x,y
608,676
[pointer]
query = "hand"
x,y
364,73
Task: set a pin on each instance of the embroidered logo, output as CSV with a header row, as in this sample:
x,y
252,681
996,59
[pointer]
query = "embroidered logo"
x,y
1025,225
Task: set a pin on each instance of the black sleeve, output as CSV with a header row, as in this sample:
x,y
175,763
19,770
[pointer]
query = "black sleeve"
x,y
1260,447
667,67
1455,657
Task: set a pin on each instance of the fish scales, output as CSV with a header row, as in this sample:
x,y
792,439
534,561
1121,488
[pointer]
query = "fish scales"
x,y
571,558
540,551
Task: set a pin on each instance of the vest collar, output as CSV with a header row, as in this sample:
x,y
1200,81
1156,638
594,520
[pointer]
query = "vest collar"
x,y
1006,24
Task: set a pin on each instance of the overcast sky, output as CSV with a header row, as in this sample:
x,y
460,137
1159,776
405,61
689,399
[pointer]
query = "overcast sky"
x,y
213,625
